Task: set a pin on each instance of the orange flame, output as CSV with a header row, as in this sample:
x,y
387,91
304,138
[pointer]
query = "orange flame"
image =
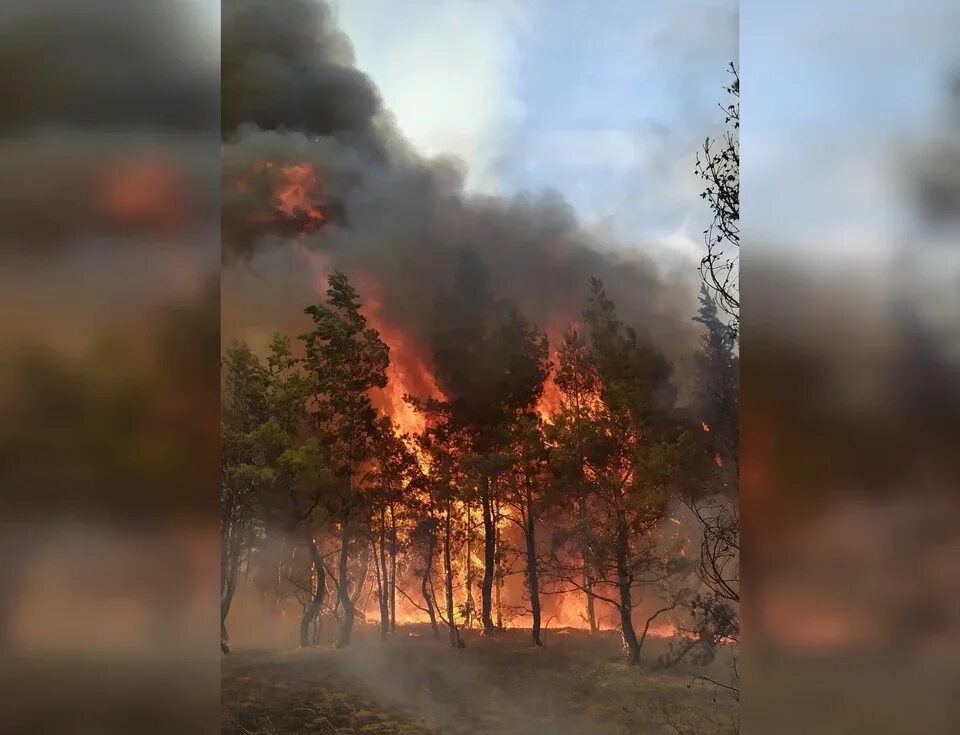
x,y
550,400
298,196
407,373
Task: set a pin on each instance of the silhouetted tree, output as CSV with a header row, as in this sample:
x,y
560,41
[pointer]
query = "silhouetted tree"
x,y
491,364
718,164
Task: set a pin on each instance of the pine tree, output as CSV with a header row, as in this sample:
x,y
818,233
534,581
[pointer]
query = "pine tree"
x,y
344,360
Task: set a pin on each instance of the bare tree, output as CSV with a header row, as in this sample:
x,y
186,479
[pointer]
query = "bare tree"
x,y
714,610
718,164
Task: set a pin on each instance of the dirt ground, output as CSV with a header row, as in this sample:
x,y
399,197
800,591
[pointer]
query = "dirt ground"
x,y
411,684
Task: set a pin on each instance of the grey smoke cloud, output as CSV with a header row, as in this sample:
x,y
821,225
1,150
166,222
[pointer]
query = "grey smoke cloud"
x,y
285,65
291,95
64,64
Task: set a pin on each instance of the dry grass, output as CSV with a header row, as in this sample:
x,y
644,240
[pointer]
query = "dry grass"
x,y
413,685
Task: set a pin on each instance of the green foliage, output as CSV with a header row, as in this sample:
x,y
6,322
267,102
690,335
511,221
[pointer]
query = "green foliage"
x,y
286,387
618,452
631,437
248,439
243,402
344,360
491,363
634,378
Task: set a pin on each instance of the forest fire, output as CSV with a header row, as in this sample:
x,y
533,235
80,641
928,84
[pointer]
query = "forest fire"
x,y
479,437
409,374
460,426
569,615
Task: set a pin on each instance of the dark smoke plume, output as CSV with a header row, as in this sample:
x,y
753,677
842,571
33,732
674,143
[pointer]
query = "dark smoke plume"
x,y
291,95
286,66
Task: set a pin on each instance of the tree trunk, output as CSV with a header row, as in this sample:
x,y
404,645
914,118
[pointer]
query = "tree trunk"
x,y
378,575
381,567
587,572
448,578
591,603
497,570
224,647
226,596
626,602
311,611
532,576
489,557
364,573
468,571
229,568
343,588
424,584
278,578
393,571
310,615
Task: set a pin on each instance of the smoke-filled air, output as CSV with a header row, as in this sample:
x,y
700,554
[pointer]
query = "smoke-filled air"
x,y
479,463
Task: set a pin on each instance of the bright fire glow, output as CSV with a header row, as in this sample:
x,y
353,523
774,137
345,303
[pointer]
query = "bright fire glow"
x,y
297,195
408,372
550,400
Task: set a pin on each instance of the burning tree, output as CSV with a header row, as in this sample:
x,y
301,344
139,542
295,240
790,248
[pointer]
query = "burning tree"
x,y
568,432
491,365
339,479
621,450
342,482
395,478
344,360
442,443
526,498
423,542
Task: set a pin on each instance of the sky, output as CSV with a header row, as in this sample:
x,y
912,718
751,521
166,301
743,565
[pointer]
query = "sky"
x,y
605,102
837,97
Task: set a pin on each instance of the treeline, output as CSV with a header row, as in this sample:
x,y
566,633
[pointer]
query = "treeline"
x,y
349,508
